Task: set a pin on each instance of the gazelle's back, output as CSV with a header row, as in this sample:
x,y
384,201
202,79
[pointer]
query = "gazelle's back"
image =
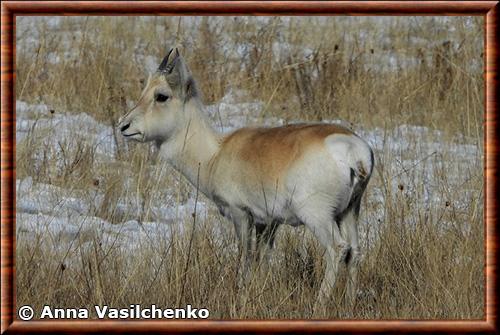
x,y
269,152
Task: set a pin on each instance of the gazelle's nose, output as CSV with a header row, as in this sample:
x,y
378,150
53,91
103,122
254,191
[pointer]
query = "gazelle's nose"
x,y
125,127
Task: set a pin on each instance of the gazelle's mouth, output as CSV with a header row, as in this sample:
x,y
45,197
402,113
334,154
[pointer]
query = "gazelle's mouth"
x,y
138,136
128,135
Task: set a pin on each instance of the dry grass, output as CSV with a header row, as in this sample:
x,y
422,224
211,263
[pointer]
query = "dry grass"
x,y
427,262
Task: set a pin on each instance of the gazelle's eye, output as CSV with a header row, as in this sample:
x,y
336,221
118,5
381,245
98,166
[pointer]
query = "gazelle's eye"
x,y
161,97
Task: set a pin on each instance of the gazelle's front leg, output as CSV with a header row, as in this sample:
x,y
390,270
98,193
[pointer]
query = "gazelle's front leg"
x,y
264,241
243,225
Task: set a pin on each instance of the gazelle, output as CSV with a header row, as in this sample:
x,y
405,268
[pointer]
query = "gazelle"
x,y
311,174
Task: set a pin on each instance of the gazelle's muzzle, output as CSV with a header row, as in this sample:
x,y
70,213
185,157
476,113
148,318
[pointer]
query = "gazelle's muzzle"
x,y
127,129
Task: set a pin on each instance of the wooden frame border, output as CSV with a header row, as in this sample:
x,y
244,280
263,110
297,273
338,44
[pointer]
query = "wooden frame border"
x,y
9,9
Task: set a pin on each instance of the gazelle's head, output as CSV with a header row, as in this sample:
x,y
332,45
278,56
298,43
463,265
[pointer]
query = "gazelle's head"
x,y
160,111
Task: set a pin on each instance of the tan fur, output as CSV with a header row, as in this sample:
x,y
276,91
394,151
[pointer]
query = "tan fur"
x,y
271,151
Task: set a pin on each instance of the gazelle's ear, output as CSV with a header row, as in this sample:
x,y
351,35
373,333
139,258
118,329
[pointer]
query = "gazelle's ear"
x,y
178,75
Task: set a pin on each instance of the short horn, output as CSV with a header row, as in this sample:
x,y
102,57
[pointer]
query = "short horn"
x,y
169,67
164,62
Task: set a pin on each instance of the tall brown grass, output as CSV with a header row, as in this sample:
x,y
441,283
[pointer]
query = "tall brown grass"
x,y
425,262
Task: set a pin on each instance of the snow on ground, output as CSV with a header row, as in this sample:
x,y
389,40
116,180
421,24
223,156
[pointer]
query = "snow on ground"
x,y
60,128
424,166
62,215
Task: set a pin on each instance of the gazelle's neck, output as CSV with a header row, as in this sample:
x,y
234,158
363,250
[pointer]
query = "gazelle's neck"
x,y
191,149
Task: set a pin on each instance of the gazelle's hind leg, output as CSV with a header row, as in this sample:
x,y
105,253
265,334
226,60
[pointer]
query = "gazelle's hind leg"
x,y
349,227
320,222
